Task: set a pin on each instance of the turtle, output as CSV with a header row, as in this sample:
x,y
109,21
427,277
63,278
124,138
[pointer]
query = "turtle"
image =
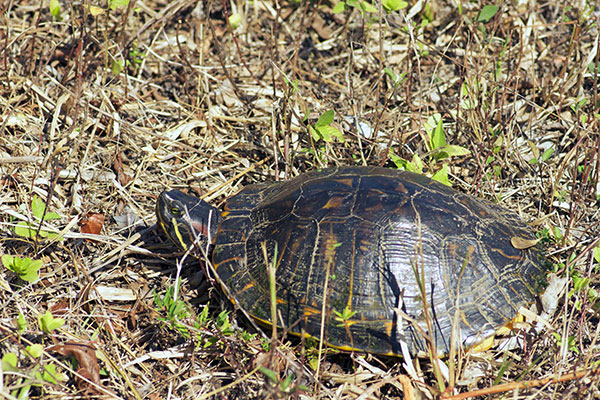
x,y
379,257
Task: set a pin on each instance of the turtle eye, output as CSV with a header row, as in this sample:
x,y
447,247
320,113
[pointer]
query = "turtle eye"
x,y
175,211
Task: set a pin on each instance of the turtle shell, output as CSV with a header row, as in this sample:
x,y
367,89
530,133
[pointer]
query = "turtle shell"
x,y
373,254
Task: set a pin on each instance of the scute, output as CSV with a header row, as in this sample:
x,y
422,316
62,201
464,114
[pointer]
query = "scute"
x,y
356,238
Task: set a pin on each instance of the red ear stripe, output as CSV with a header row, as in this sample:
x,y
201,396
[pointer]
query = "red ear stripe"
x,y
200,226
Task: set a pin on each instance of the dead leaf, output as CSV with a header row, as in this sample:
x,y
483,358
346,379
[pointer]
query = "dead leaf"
x,y
92,223
124,179
85,354
522,243
60,309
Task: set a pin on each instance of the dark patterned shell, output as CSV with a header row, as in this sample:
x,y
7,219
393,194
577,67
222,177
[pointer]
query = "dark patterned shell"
x,y
359,240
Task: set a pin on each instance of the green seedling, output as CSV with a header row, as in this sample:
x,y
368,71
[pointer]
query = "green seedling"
x,y
438,150
175,311
25,268
322,129
363,6
115,4
54,7
30,230
393,5
344,316
21,323
37,376
284,385
397,80
235,20
223,326
487,13
48,323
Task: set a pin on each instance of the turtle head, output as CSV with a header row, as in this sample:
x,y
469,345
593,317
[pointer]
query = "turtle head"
x,y
183,218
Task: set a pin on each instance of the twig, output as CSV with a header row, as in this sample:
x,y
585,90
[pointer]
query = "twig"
x,y
505,387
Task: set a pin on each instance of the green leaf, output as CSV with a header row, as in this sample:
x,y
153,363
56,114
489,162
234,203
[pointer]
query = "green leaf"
x,y
116,67
9,362
51,215
325,119
339,7
26,268
50,375
28,230
35,350
393,5
223,323
442,176
30,270
7,261
438,138
487,13
48,323
344,316
294,85
203,318
449,150
287,382
23,229
269,374
323,130
327,133
54,8
21,323
235,20
391,74
416,165
313,133
597,254
547,154
368,7
430,126
114,4
580,283
397,80
38,207
398,161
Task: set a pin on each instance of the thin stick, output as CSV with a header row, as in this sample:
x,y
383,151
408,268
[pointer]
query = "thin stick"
x,y
505,387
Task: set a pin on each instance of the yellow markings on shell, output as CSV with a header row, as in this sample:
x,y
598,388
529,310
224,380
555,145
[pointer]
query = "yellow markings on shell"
x,y
463,318
389,327
235,260
304,334
250,285
488,342
364,245
504,329
483,346
334,202
517,257
348,182
309,311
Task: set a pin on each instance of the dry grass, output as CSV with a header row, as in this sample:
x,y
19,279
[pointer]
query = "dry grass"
x,y
198,107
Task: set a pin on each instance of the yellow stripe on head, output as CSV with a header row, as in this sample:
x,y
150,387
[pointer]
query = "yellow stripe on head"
x,y
178,234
